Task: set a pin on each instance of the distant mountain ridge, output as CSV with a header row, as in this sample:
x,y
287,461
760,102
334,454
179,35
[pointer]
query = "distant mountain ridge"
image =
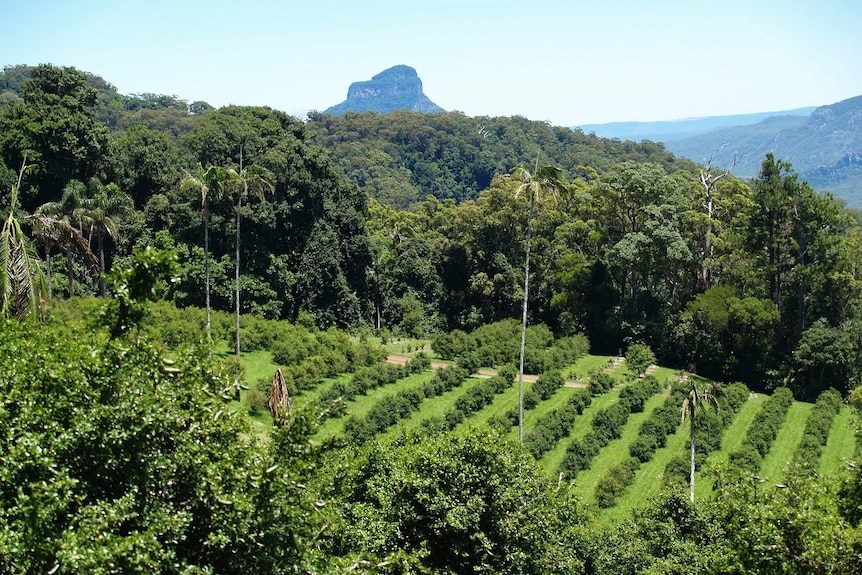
x,y
825,148
672,130
396,88
824,143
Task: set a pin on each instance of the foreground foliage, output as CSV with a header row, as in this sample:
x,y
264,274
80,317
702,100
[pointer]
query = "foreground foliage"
x,y
117,458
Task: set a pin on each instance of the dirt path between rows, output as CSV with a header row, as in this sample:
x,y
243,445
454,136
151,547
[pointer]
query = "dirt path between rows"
x,y
402,360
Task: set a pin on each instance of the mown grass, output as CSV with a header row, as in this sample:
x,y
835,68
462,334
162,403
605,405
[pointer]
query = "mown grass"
x,y
360,405
789,435
649,479
435,406
614,452
731,441
583,424
502,403
841,446
585,365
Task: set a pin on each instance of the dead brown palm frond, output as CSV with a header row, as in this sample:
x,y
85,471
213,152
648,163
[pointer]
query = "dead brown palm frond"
x,y
23,287
62,234
279,399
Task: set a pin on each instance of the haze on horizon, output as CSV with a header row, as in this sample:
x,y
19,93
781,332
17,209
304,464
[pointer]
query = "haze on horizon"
x,y
568,63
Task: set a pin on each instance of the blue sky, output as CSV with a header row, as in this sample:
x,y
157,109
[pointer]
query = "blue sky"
x,y
566,62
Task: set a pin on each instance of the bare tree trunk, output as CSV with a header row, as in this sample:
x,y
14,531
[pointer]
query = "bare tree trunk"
x,y
207,270
691,479
238,207
524,325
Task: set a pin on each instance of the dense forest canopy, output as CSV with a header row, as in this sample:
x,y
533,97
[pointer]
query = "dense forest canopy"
x,y
409,222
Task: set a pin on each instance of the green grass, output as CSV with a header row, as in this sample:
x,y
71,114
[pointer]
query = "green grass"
x,y
435,406
614,452
502,403
360,405
407,347
648,480
583,424
731,441
789,435
556,401
841,445
586,364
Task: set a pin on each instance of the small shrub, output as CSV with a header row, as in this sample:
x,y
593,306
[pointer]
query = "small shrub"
x,y
255,401
639,357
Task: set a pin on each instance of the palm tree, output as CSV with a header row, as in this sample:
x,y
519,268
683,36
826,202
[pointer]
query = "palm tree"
x,y
68,210
212,183
255,179
103,207
698,399
23,289
546,178
53,232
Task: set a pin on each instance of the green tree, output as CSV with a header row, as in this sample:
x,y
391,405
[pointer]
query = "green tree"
x,y
544,179
697,399
455,503
639,357
55,127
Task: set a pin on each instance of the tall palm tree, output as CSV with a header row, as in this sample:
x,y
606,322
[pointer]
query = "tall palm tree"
x,y
212,183
68,210
249,179
103,208
544,179
698,399
23,289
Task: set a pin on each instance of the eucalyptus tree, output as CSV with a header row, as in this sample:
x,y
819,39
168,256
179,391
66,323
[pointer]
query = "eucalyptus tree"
x,y
698,399
23,289
543,179
212,182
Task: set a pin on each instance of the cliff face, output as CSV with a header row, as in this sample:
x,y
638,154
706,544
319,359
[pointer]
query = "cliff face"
x,y
397,88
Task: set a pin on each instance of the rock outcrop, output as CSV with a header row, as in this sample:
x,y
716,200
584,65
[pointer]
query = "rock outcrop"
x,y
397,88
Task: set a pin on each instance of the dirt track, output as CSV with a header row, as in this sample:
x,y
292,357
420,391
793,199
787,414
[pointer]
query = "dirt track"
x,y
402,360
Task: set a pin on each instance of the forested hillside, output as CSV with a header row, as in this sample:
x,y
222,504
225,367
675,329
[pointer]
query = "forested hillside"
x,y
402,157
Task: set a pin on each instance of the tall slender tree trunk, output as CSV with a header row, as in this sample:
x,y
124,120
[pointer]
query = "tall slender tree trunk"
x,y
238,207
524,324
48,272
207,270
101,240
71,272
691,478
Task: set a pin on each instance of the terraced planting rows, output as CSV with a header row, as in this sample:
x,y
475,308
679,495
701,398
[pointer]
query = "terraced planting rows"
x,y
484,400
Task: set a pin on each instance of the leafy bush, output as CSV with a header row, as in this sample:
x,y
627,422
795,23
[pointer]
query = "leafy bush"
x,y
817,429
255,400
615,481
763,430
600,382
117,459
639,357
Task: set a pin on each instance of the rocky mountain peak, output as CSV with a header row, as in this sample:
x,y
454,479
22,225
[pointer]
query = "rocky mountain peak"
x,y
396,88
